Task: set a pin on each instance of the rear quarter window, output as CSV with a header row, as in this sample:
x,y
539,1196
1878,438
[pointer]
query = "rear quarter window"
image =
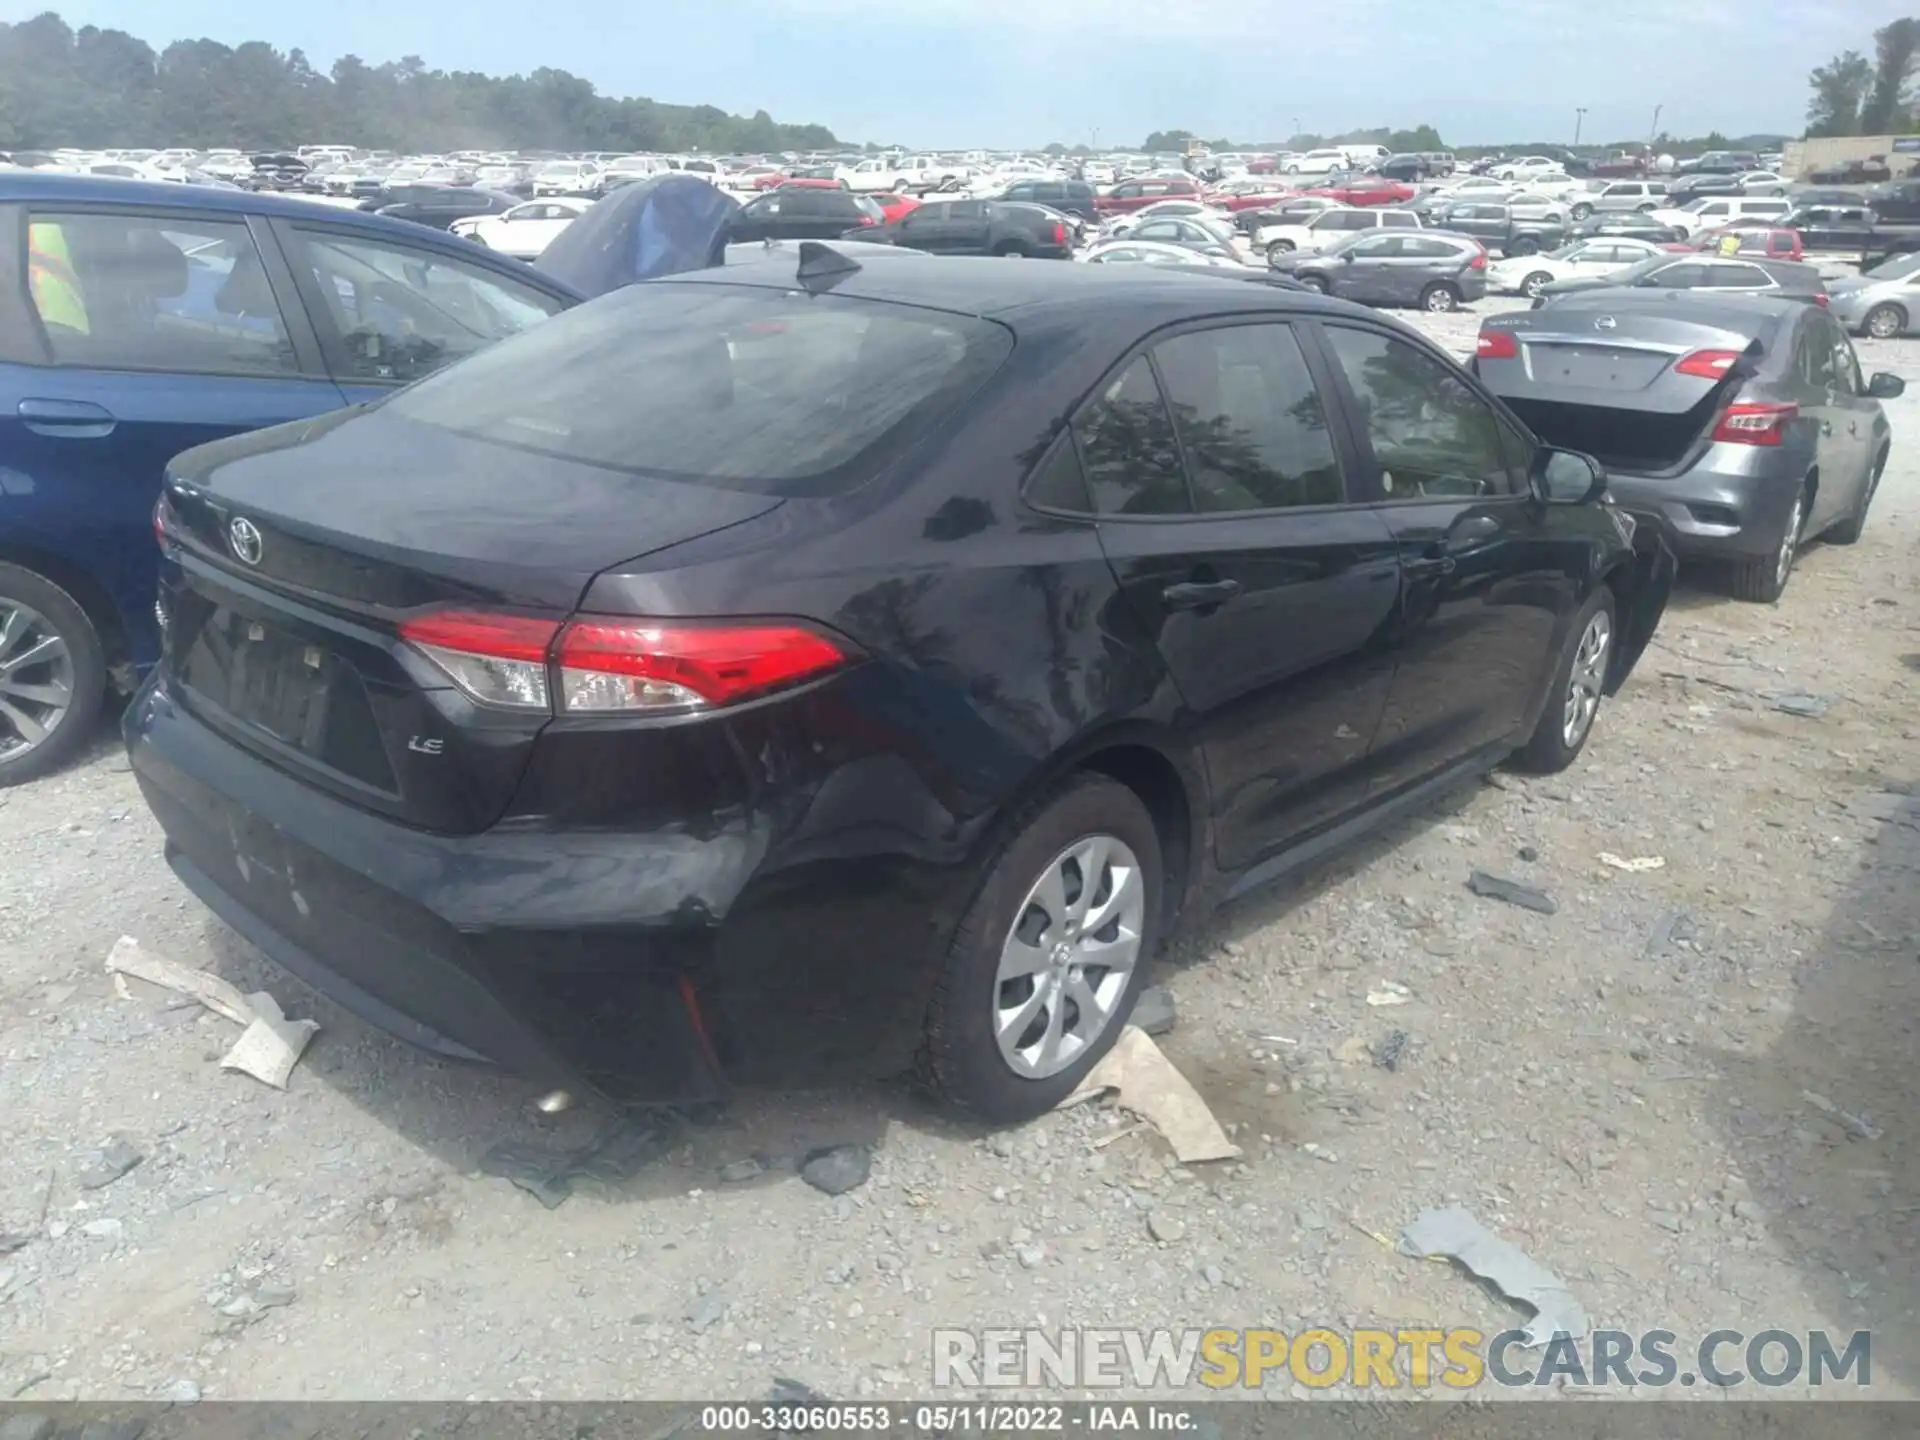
x,y
745,388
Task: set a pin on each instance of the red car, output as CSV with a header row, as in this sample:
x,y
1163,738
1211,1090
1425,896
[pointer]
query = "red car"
x,y
1131,195
1774,242
893,205
1247,200
801,182
1368,190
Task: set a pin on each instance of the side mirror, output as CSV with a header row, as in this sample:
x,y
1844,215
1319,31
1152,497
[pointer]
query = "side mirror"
x,y
1568,477
1886,387
1346,257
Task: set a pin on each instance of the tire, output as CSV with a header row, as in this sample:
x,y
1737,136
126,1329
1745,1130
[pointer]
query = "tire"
x,y
1279,247
1847,532
1534,283
1293,169
1524,245
1646,209
962,1062
1763,581
1885,322
900,187
1314,283
1557,739
35,613
1439,298
1582,211
1010,250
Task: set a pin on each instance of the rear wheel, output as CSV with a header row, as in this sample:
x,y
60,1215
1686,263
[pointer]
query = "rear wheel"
x,y
1535,283
1763,580
1010,250
1579,681
53,675
1884,322
1314,283
1439,298
1582,211
1647,209
1847,532
1044,967
1279,247
1524,245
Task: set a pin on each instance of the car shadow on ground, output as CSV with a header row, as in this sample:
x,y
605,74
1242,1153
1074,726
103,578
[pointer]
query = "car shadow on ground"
x,y
1824,1123
457,1113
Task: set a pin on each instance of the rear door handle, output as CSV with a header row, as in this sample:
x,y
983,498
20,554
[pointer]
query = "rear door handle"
x,y
1425,565
1199,594
66,419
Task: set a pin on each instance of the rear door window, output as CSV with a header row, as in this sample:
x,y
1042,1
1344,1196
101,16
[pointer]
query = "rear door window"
x,y
399,313
1132,459
151,292
1431,434
1250,423
742,387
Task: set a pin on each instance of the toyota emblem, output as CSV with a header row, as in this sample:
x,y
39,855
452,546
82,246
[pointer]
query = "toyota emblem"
x,y
243,536
1605,322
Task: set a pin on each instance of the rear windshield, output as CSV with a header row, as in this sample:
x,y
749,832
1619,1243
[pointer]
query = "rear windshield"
x,y
772,391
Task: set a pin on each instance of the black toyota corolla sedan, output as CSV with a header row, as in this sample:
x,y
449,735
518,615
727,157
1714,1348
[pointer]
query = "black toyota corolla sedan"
x,y
819,662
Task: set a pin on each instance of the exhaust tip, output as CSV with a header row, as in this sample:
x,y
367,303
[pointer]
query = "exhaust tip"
x,y
554,1102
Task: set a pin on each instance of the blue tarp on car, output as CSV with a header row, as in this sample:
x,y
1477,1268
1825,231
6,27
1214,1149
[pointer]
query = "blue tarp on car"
x,y
662,226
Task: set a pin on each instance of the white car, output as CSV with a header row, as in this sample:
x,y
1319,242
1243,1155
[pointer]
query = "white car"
x,y
1763,182
525,231
1526,167
1477,187
1526,274
1152,252
1317,162
1536,208
1216,220
568,177
1328,226
1711,210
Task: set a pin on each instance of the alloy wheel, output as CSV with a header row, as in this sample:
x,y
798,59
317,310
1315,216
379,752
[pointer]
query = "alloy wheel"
x,y
1587,680
1789,542
1885,322
1067,961
1535,283
1440,299
36,678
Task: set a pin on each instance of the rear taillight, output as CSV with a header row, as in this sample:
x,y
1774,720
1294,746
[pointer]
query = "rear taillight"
x,y
1764,424
498,660
866,220
1820,300
1707,364
163,526
649,665
1497,345
604,665
1059,233
1479,261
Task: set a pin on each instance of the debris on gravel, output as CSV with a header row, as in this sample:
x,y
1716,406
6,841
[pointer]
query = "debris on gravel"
x,y
106,1164
1154,1011
1512,892
836,1169
1455,1234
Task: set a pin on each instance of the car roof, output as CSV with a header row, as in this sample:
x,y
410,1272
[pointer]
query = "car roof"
x,y
1039,292
40,187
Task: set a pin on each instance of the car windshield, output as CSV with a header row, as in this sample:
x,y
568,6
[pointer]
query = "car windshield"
x,y
1898,267
1566,252
772,391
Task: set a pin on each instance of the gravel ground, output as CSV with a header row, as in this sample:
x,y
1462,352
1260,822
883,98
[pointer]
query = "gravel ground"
x,y
1619,1088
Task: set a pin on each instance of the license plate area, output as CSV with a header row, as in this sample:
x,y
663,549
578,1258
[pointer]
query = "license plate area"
x,y
300,696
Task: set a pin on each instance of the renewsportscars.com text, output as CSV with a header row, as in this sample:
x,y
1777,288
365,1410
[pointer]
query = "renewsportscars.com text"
x,y
1392,1359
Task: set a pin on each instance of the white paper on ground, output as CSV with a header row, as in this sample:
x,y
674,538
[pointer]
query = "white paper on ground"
x,y
1147,1083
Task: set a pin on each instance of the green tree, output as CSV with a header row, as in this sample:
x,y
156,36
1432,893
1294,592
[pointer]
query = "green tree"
x,y
1894,47
1839,92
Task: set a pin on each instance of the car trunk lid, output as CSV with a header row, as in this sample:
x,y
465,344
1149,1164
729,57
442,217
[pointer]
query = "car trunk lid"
x,y
1639,391
284,625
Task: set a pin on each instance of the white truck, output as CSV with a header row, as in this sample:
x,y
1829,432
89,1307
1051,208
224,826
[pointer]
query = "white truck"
x,y
903,174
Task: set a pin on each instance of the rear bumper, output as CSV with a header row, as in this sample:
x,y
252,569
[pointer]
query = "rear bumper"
x,y
648,967
1711,513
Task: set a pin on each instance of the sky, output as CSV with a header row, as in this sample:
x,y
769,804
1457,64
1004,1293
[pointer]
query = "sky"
x,y
1022,73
